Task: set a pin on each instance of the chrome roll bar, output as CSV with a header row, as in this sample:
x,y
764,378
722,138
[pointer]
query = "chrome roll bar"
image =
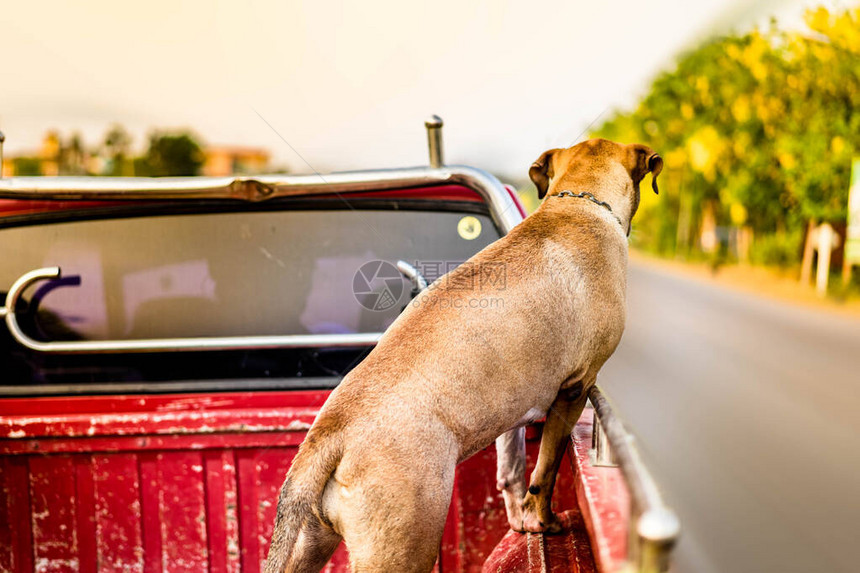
x,y
654,527
258,188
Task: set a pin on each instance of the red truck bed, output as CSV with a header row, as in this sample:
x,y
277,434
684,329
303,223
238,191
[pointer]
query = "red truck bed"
x,y
189,483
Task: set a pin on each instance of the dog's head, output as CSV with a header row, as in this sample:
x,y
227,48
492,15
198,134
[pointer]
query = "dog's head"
x,y
610,171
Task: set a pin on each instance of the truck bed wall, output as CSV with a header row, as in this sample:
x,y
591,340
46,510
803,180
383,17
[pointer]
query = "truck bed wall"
x,y
185,483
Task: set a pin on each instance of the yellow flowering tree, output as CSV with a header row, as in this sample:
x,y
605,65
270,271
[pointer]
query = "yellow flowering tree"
x,y
759,128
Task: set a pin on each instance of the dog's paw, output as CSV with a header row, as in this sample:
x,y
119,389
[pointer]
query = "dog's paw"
x,y
533,523
537,516
514,512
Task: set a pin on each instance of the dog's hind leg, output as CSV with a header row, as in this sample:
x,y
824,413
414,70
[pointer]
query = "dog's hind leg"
x,y
392,518
562,416
397,537
511,472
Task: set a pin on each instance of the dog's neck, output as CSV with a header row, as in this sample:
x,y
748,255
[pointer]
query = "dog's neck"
x,y
589,197
614,188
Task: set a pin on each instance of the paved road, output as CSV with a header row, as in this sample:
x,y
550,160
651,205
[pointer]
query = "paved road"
x,y
748,411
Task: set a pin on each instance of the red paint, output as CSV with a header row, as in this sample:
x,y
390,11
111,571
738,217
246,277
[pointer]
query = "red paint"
x,y
203,499
16,532
12,207
222,524
567,552
516,198
151,443
116,492
173,415
158,404
182,512
19,207
150,515
438,193
53,514
86,521
603,499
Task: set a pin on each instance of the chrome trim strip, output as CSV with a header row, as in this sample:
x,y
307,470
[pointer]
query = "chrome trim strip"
x,y
164,344
503,211
654,527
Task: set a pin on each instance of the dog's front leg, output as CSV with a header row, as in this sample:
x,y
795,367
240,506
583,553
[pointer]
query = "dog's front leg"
x,y
537,506
511,473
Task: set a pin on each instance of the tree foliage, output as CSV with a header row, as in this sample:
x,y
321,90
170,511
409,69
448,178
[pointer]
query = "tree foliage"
x,y
171,155
761,126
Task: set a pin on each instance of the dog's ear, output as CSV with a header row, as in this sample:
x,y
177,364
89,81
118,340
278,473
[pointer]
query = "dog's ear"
x,y
541,172
655,166
643,160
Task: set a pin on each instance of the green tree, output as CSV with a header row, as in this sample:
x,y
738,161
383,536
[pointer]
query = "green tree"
x,y
171,155
760,128
27,166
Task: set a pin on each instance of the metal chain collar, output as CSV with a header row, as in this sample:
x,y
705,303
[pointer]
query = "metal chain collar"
x,y
593,199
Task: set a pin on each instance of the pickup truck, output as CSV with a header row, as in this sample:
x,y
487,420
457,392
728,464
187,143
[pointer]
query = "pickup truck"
x,y
166,344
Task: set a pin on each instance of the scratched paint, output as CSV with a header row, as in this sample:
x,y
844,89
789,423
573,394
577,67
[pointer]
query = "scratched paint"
x,y
16,427
165,484
603,498
117,496
53,507
151,466
569,552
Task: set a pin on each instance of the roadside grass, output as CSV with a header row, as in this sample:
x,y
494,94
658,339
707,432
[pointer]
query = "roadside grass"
x,y
770,282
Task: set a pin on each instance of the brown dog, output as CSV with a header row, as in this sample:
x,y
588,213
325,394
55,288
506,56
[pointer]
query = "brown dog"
x,y
451,375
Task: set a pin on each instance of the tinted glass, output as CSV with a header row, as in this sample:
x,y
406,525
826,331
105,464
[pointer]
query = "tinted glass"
x,y
229,274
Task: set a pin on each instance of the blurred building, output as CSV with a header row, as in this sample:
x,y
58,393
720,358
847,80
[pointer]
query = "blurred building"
x,y
56,156
229,160
49,154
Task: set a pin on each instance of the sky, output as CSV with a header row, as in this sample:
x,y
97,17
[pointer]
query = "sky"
x,y
338,85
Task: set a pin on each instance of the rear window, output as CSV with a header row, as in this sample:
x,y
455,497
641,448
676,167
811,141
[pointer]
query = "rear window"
x,y
229,274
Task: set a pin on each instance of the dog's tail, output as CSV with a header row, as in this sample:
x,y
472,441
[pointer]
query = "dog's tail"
x,y
301,493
